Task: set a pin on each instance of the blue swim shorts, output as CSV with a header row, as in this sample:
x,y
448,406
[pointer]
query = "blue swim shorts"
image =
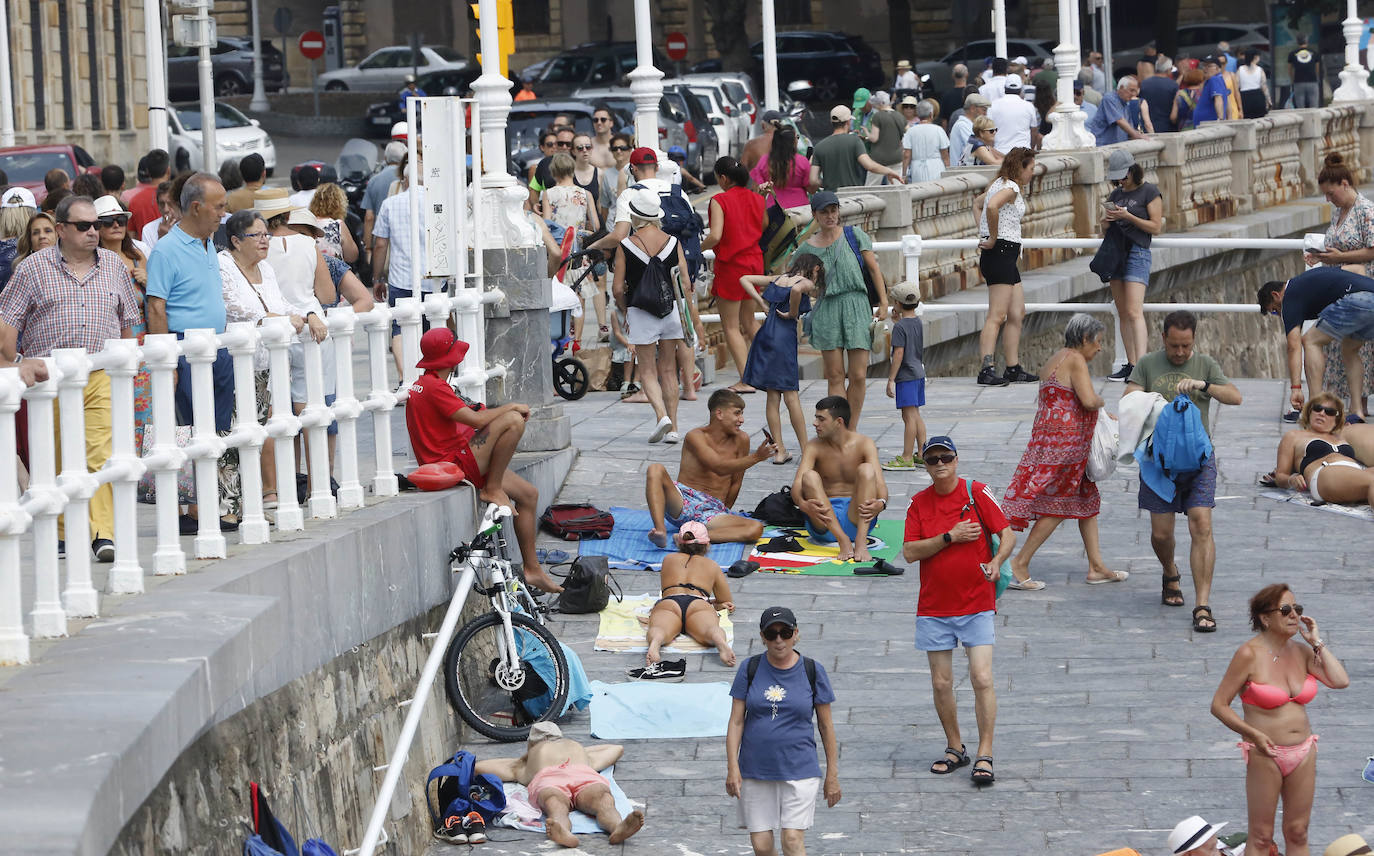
x,y
945,632
822,536
911,393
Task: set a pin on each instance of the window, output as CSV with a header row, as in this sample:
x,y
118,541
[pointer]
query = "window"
x,y
65,51
93,57
603,71
792,12
530,17
447,54
121,96
381,59
40,106
568,69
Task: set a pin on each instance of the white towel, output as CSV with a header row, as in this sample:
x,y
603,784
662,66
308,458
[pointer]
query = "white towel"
x,y
1136,415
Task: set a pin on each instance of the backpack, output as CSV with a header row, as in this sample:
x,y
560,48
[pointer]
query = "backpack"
x,y
683,222
751,668
779,509
460,791
994,542
575,521
863,268
587,588
271,836
1180,444
654,293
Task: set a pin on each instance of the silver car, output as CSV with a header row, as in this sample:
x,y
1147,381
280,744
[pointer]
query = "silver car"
x,y
730,122
385,70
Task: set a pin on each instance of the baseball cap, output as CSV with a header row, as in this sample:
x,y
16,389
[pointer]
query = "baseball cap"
x,y
19,197
973,100
400,131
643,155
906,292
1192,833
840,113
1020,60
677,152
440,349
939,441
777,615
772,116
823,200
861,97
1212,60
693,532
1013,84
1077,85
1118,164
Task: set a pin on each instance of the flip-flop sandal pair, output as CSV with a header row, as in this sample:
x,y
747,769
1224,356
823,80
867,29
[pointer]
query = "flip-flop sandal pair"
x,y
742,568
780,544
551,557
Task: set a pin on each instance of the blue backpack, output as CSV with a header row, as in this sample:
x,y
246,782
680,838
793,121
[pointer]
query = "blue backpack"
x,y
460,790
683,222
1180,444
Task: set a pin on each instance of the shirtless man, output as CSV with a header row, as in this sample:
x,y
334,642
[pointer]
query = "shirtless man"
x,y
562,775
714,458
757,148
603,125
840,482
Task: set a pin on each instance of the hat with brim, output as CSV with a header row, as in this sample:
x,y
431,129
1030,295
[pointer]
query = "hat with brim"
x,y
304,217
644,205
1348,845
939,441
910,101
1119,164
973,100
904,65
777,615
440,349
1191,833
861,97
906,293
272,202
18,197
108,206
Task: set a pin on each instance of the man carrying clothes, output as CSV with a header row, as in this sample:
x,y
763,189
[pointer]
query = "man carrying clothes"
x,y
1172,370
839,484
714,460
443,427
948,530
1342,302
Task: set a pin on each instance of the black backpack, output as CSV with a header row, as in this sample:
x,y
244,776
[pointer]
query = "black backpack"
x,y
779,509
587,588
654,293
683,222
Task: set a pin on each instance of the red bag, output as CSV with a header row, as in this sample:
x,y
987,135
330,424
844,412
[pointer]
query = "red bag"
x,y
440,476
575,521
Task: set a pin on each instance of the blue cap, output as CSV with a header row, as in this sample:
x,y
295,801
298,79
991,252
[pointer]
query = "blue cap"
x,y
823,200
940,441
677,151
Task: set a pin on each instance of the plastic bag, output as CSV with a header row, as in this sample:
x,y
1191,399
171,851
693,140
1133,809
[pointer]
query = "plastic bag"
x,y
1102,455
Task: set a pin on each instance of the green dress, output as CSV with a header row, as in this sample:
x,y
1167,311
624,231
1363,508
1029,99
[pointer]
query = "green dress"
x,y
842,318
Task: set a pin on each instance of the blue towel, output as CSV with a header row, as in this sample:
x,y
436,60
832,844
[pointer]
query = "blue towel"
x,y
643,710
629,546
579,690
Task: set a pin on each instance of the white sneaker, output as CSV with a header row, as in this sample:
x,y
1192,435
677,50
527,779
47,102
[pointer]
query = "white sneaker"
x,y
661,429
672,437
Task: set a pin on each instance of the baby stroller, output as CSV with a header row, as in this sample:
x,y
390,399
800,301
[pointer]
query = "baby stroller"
x,y
570,377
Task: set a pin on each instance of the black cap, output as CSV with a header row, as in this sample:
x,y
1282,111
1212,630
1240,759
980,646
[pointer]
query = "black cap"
x,y
777,615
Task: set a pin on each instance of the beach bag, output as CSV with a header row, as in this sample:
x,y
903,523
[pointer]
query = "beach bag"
x,y
654,293
779,509
587,588
460,790
778,240
994,540
1106,442
869,286
1180,444
575,521
437,476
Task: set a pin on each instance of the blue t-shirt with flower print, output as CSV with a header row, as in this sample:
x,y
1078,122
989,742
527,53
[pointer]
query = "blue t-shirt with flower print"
x,y
779,742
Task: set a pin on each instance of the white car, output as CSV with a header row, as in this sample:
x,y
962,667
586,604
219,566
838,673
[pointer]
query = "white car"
x,y
731,123
235,137
385,70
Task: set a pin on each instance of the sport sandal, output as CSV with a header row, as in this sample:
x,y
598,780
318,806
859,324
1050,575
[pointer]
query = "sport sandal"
x,y
960,759
1171,596
981,775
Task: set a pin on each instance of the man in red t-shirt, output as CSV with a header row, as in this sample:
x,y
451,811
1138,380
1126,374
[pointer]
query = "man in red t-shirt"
x,y
443,427
154,168
948,528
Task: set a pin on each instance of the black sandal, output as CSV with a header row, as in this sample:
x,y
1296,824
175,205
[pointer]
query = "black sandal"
x,y
1197,621
1172,596
960,759
981,776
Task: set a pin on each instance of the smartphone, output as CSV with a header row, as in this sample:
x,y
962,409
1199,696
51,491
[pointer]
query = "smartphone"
x,y
768,437
1110,206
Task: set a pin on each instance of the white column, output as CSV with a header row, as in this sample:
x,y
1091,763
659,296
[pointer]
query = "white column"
x,y
156,72
283,425
381,400
79,597
646,82
259,101
126,575
1068,131
316,418
770,57
1354,78
14,522
504,223
201,348
160,355
999,28
49,619
347,408
6,92
241,340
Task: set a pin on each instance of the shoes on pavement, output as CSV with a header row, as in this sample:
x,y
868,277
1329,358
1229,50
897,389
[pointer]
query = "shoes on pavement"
x,y
668,671
1016,374
899,464
452,831
1025,585
672,437
103,548
1122,374
661,430
475,827
989,377
1291,416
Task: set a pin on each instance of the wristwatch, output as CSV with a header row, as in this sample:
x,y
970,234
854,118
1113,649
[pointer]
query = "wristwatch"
x,y
948,540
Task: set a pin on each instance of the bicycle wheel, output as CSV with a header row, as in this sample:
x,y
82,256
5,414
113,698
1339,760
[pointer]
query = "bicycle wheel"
x,y
499,702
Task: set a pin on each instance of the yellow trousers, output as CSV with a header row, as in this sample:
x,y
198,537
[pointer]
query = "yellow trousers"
x,y
98,437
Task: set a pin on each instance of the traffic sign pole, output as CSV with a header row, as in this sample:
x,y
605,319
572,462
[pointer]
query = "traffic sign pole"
x,y
311,44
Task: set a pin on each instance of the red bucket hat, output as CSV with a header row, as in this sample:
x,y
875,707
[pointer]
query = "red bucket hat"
x,y
440,349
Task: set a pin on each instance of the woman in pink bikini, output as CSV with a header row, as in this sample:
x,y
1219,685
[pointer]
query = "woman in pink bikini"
x,y
1276,678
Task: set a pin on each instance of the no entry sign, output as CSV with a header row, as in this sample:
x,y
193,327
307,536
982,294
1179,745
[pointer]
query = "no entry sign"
x,y
677,46
311,44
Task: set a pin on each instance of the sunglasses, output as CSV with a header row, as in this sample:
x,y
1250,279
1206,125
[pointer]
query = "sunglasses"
x,y
1329,411
988,131
948,458
564,144
547,144
1288,609
620,148
772,634
585,148
120,219
81,225
602,119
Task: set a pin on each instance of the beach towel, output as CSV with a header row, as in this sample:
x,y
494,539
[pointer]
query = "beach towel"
x,y
629,548
884,542
623,624
1298,497
647,710
520,813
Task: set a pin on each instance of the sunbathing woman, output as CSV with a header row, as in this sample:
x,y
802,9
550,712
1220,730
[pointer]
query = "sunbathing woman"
x,y
690,582
1317,458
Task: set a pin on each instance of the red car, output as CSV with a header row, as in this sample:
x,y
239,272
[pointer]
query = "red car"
x,y
27,165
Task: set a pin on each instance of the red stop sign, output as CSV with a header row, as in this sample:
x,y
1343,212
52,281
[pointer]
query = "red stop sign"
x,y
677,46
311,44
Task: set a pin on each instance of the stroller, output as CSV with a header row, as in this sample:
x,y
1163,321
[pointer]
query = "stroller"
x,y
570,377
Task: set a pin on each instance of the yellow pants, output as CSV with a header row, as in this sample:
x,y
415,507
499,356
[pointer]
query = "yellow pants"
x,y
98,436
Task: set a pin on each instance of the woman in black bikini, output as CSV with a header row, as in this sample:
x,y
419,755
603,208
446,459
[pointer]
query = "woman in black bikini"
x,y
1317,458
690,582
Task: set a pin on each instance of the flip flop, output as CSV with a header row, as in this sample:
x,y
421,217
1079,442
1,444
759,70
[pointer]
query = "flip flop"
x,y
881,567
1116,577
551,557
742,568
749,391
1025,585
1267,480
781,544
786,460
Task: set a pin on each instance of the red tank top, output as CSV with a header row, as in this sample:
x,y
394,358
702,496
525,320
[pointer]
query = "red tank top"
x,y
739,240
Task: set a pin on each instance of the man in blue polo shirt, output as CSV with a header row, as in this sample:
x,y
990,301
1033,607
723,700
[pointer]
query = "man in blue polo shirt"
x,y
185,291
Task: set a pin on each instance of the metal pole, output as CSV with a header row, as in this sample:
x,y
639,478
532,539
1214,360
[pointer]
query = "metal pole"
x,y
156,70
209,155
999,27
412,179
1107,46
259,102
770,57
6,92
314,90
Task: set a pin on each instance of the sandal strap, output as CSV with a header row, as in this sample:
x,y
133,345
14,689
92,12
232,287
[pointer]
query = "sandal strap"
x,y
1203,608
987,758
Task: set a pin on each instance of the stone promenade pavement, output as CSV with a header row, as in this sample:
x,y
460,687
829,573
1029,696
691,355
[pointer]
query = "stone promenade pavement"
x,y
1104,737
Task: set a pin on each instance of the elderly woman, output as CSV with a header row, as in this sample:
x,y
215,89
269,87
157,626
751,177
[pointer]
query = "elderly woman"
x,y
770,747
925,147
1136,208
1317,458
1051,484
330,207
981,149
1276,678
885,131
251,294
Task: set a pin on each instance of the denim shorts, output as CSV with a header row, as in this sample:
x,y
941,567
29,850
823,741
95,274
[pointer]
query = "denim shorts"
x,y
911,393
1351,317
946,632
1200,493
1137,266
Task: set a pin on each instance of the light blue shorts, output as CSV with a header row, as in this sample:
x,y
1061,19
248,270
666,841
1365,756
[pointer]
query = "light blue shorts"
x,y
841,507
1351,317
946,632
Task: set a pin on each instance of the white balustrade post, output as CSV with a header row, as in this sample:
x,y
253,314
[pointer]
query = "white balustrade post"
x,y
381,400
79,598
14,521
160,352
472,374
48,501
646,82
407,314
1069,131
999,28
911,257
240,338
1354,78
347,408
502,219
200,348
126,575
316,418
282,425
770,57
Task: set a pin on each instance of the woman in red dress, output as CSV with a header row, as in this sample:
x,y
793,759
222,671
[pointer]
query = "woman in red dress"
x,y
1050,484
736,224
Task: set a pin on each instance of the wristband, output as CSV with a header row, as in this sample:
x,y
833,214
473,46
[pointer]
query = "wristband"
x,y
947,538
884,502
1295,386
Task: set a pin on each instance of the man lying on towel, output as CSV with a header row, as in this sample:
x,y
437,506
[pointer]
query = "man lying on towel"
x,y
839,484
714,458
443,428
561,775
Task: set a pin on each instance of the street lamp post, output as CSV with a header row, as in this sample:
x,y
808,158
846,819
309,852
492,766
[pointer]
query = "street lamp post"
x,y
1354,78
6,92
259,102
1068,121
156,73
503,223
999,27
646,81
770,57
209,155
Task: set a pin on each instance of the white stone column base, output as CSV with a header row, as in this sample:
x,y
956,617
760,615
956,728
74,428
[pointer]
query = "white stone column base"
x,y
504,224
1354,85
1069,132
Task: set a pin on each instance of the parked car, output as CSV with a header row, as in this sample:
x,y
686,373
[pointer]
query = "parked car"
x,y
235,136
835,63
27,165
672,121
383,114
738,86
386,69
975,53
1199,40
589,64
703,143
231,61
731,123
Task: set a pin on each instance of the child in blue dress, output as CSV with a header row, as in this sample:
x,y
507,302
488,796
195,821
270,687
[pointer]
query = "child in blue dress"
x,y
772,364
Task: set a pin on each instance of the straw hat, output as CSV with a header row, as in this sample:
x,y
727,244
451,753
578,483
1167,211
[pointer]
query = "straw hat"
x,y
904,65
304,217
108,206
272,201
1348,845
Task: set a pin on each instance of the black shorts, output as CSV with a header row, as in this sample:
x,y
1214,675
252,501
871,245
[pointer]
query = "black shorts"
x,y
999,263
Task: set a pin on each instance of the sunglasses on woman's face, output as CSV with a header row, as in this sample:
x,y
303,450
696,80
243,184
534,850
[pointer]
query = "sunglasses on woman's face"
x,y
620,148
1288,609
1329,411
774,633
120,219
988,131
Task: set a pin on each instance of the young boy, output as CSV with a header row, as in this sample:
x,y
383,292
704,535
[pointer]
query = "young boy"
x,y
443,427
906,379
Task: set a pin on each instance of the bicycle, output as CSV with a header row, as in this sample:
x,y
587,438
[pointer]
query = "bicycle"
x,y
504,670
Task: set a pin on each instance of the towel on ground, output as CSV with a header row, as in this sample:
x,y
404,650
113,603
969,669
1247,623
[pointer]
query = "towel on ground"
x,y
1298,497
648,710
521,813
629,546
884,542
623,624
